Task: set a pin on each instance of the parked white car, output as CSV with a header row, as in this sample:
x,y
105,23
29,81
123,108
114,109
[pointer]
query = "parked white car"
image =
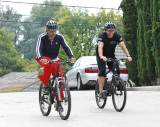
x,y
85,72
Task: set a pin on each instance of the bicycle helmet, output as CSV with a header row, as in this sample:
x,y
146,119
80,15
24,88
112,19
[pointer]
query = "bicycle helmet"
x,y
109,26
52,25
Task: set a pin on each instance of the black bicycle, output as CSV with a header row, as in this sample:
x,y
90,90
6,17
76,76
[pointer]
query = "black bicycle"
x,y
116,88
59,94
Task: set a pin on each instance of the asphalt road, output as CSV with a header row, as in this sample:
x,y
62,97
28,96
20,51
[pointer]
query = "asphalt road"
x,y
21,109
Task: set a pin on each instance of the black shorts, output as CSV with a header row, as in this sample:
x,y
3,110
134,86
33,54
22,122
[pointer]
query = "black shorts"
x,y
102,67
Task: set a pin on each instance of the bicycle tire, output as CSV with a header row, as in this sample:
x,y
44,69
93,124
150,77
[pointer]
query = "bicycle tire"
x,y
100,102
119,95
44,99
65,97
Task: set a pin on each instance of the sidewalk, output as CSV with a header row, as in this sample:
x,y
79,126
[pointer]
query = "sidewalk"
x,y
144,88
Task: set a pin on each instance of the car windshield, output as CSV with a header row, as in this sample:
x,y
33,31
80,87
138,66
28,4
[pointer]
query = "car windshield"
x,y
89,60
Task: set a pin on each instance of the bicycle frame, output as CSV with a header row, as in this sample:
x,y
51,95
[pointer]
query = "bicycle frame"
x,y
115,76
114,70
59,94
55,80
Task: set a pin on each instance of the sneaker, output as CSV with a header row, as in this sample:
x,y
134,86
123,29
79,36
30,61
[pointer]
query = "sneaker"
x,y
102,95
108,93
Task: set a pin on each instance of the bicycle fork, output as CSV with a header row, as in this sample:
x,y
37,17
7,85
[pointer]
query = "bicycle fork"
x,y
118,86
60,94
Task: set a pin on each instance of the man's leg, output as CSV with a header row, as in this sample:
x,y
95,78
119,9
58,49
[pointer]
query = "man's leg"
x,y
47,69
101,75
101,80
54,69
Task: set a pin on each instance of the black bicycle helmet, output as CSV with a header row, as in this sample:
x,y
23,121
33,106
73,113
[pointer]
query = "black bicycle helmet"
x,y
52,25
109,26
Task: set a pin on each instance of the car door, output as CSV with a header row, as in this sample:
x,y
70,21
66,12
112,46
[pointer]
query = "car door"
x,y
75,72
71,74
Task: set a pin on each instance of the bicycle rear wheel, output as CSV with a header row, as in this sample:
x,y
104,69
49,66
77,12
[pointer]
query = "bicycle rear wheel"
x,y
64,102
44,101
119,95
101,102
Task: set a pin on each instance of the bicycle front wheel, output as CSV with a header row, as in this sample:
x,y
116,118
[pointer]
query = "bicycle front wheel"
x,y
119,94
101,102
44,101
65,101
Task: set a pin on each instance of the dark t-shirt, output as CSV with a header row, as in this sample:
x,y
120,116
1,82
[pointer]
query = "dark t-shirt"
x,y
109,44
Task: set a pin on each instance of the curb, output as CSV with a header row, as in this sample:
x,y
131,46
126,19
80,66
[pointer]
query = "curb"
x,y
144,88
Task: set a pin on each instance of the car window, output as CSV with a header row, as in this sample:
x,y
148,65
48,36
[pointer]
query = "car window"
x,y
89,60
77,62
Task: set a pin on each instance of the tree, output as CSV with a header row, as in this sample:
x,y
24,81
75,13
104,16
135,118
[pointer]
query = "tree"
x,y
45,12
155,19
130,35
80,28
10,19
10,60
141,25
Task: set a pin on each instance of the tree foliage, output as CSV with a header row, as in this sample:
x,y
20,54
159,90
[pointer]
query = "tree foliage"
x,y
130,33
155,18
80,28
10,60
10,19
144,22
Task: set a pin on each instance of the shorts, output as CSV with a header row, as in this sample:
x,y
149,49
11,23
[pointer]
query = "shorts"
x,y
102,67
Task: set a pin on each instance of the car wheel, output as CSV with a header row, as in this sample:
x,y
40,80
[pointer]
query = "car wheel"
x,y
128,84
79,83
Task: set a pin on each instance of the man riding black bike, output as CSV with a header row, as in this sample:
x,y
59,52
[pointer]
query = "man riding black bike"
x,y
47,48
107,42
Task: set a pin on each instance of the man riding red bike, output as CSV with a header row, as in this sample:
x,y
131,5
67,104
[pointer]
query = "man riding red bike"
x,y
48,46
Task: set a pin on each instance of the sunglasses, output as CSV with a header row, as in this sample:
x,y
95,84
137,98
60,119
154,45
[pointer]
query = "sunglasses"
x,y
110,30
52,30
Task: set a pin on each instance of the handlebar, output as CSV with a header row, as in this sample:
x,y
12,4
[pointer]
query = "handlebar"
x,y
111,59
55,61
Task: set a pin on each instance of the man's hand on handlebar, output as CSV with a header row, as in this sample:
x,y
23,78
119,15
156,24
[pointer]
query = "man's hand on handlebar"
x,y
103,58
129,58
44,61
73,60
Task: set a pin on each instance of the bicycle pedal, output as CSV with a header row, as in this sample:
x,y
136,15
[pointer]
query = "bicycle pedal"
x,y
103,95
60,109
109,94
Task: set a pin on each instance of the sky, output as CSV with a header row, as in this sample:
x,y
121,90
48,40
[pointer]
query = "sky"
x,y
25,9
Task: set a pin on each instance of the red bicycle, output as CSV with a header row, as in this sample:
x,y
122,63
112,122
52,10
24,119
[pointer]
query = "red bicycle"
x,y
59,94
